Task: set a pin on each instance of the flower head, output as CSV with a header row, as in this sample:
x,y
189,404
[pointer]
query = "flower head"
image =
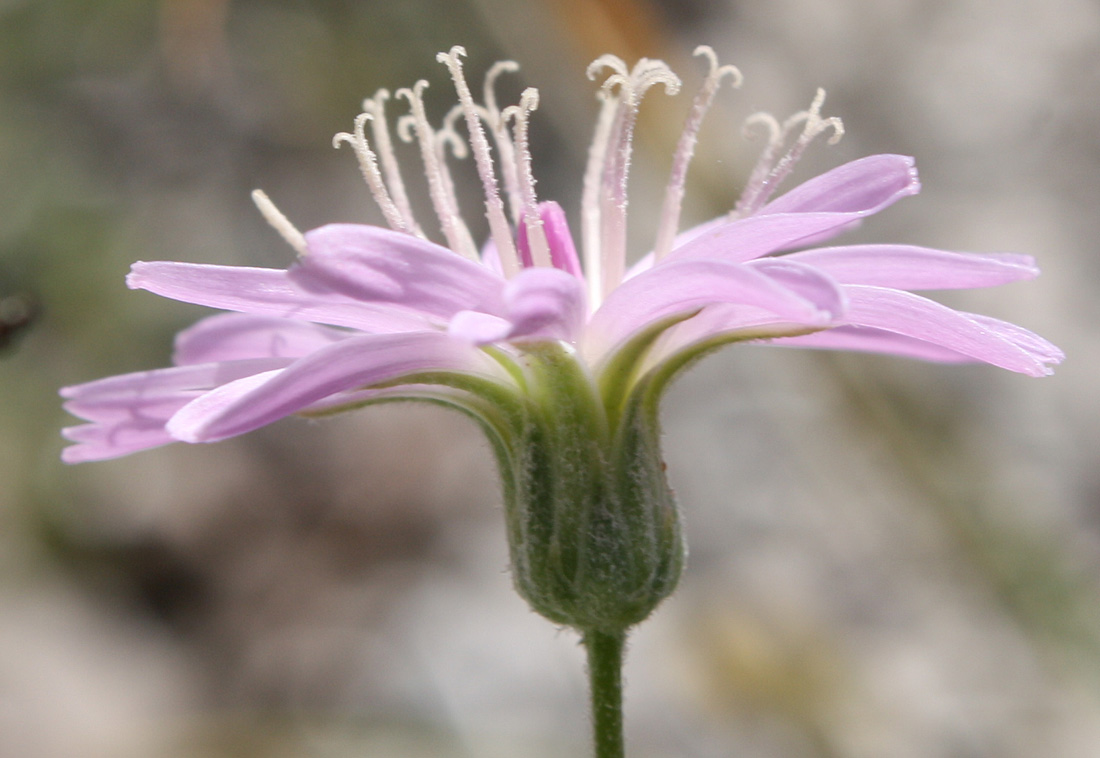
x,y
560,357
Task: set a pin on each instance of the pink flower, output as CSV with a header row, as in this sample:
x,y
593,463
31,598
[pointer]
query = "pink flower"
x,y
370,314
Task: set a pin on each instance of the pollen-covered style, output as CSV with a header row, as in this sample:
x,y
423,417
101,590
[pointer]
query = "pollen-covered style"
x,y
560,358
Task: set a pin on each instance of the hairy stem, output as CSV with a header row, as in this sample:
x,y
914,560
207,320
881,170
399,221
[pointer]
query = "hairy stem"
x,y
605,661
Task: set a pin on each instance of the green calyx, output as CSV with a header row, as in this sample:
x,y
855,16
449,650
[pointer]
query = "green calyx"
x,y
593,528
594,533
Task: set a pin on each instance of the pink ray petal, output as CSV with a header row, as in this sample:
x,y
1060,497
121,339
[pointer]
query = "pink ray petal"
x,y
479,328
122,389
645,263
352,364
683,286
378,265
539,304
909,267
827,205
811,283
235,336
868,340
864,186
128,412
1042,349
760,235
490,258
265,292
98,442
985,339
715,322
545,303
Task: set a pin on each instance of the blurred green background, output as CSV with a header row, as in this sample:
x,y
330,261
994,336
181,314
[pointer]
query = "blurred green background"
x,y
888,558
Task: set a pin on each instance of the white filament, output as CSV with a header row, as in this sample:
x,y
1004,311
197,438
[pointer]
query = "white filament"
x,y
616,162
685,148
590,200
771,169
536,234
493,118
494,206
279,222
439,185
368,165
381,133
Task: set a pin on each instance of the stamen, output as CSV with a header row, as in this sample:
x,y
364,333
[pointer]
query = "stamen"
x,y
368,165
532,220
770,172
444,138
279,222
381,133
768,156
613,62
685,148
508,168
449,134
597,157
439,184
494,206
616,162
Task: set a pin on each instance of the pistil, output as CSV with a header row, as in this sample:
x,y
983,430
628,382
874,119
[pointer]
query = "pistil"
x,y
479,145
439,184
685,148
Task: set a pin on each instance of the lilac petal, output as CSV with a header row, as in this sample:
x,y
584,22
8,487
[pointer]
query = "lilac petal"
x,y
539,304
683,286
236,336
352,364
98,442
757,236
490,258
545,303
863,186
716,322
917,268
377,265
810,283
122,389
128,412
645,263
867,340
1033,343
814,211
983,339
266,292
479,328
563,252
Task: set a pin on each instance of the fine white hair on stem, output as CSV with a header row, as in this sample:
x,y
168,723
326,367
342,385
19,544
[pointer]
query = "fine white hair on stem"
x,y
685,148
279,222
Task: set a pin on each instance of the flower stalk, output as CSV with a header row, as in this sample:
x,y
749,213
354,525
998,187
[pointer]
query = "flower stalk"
x,y
605,680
